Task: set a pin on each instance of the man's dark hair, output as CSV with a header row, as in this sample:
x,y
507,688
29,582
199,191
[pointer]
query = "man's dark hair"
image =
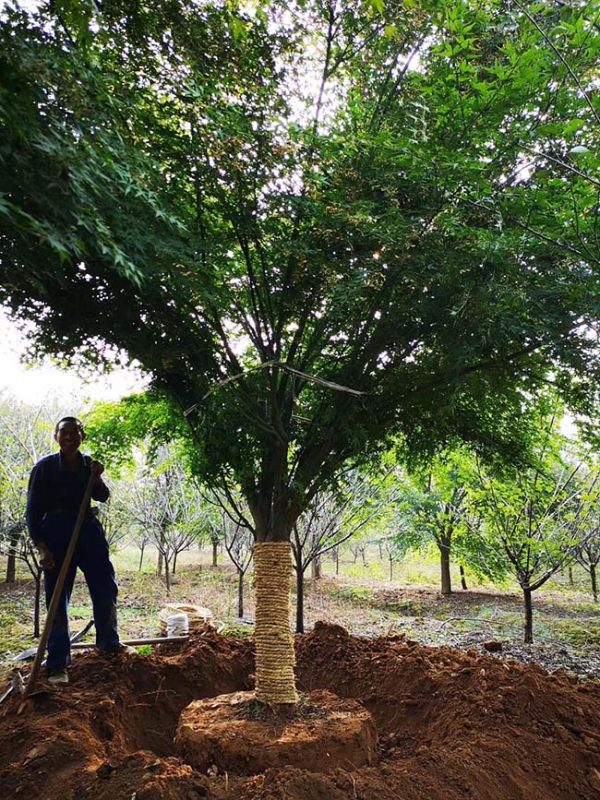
x,y
76,421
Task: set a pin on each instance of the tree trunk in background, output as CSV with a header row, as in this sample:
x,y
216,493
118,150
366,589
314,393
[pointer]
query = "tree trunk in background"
x,y
299,600
337,560
215,553
11,568
142,547
159,564
391,569
445,569
240,593
316,568
528,638
594,582
275,658
463,579
167,574
570,574
174,563
11,561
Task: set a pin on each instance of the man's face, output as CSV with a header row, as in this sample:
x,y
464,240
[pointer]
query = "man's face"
x,y
69,437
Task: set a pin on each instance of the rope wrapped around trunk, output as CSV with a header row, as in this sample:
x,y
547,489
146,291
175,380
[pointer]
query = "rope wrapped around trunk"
x,y
275,658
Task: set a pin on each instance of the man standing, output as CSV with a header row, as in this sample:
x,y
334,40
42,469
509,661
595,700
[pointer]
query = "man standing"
x,y
56,488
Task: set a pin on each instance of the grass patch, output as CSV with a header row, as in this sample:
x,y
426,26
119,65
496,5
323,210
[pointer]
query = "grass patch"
x,y
581,635
237,629
357,595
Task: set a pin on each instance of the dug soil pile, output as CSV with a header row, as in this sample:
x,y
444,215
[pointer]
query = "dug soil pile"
x,y
451,725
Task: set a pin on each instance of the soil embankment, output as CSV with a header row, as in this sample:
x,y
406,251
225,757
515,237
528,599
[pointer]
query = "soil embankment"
x,y
451,725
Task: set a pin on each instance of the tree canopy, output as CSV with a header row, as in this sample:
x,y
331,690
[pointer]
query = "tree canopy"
x,y
315,224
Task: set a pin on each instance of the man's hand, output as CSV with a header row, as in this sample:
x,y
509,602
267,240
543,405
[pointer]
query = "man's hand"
x,y
46,557
97,469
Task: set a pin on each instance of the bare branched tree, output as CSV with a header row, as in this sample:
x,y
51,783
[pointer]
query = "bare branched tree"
x,y
166,507
238,541
588,553
330,520
25,436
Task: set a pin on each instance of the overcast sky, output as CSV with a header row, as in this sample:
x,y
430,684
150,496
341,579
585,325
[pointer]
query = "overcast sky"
x,y
35,384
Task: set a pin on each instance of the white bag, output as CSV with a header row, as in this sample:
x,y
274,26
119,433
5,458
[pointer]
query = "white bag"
x,y
178,624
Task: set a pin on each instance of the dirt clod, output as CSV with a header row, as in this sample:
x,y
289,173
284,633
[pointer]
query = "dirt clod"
x,y
492,646
452,725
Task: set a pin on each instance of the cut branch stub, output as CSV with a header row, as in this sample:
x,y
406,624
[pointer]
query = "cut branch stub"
x,y
275,659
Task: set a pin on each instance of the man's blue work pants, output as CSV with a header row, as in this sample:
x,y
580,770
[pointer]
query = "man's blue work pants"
x,y
92,557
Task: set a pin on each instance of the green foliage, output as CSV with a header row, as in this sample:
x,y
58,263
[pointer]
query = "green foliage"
x,y
436,505
538,518
114,429
427,240
578,634
237,629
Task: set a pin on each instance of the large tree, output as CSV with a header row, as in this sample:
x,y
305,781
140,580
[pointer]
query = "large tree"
x,y
315,224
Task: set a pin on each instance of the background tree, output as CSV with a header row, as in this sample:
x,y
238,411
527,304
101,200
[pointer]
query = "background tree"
x,y
332,519
25,437
238,543
588,554
164,503
115,515
437,505
309,265
393,551
540,516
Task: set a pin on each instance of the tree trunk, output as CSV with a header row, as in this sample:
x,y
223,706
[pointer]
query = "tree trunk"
x,y
528,639
380,551
142,548
11,567
167,575
159,563
173,567
299,600
215,553
337,561
275,682
463,579
445,569
11,561
316,568
570,574
36,604
240,593
594,582
391,569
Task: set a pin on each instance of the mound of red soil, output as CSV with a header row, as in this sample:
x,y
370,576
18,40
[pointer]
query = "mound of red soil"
x,y
451,725
235,733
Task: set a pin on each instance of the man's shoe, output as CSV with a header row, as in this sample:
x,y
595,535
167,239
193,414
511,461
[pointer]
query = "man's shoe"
x,y
58,677
120,650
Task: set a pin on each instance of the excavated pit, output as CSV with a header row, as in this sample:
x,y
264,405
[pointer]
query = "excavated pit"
x,y
451,725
